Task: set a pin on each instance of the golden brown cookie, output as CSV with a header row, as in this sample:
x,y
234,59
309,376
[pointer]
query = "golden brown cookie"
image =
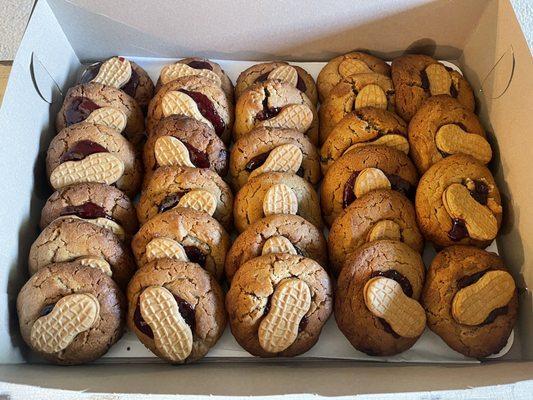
x,y
278,105
278,304
361,171
458,202
279,70
442,126
168,186
272,149
176,309
183,232
417,77
376,303
381,214
280,233
348,64
93,153
275,193
352,93
368,125
70,313
471,300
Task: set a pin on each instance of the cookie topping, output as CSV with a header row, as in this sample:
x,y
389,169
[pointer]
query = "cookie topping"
x,y
79,150
170,201
195,255
199,200
284,73
458,230
385,229
370,179
115,72
284,158
452,139
479,190
439,79
79,109
398,277
162,247
178,70
278,244
87,210
108,116
256,161
169,150
371,96
207,109
352,66
200,65
280,199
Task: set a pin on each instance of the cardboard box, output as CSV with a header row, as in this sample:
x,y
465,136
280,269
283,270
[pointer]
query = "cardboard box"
x,y
482,37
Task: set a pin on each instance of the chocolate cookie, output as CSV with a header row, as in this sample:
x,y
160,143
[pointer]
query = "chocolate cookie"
x,y
182,141
183,232
94,202
176,309
417,77
458,202
196,97
442,126
471,300
348,64
279,233
270,150
278,70
195,66
361,171
93,153
278,304
376,303
381,214
68,239
368,125
352,93
103,105
169,185
123,74
275,193
275,104
70,314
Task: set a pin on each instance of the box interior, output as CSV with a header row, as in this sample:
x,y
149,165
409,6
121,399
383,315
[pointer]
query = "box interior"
x,y
483,37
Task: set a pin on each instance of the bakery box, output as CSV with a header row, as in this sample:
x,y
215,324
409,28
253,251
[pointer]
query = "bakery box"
x,y
482,37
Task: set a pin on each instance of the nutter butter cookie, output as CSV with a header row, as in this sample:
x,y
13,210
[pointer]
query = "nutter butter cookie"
x,y
363,127
278,70
348,64
380,214
196,97
70,314
278,303
458,202
273,150
471,300
277,234
93,153
377,300
176,309
361,171
442,126
417,77
275,104
169,185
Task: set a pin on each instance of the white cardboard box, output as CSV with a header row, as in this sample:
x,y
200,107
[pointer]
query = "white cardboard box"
x,y
482,37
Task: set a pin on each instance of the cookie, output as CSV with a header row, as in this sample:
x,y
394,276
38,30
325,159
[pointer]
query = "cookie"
x,y
183,232
176,309
278,303
93,153
196,97
70,314
381,214
352,93
275,104
361,171
122,74
368,125
458,202
182,141
376,302
275,193
195,66
278,70
103,105
94,202
68,239
417,77
273,150
471,300
348,64
277,234
169,185
442,126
